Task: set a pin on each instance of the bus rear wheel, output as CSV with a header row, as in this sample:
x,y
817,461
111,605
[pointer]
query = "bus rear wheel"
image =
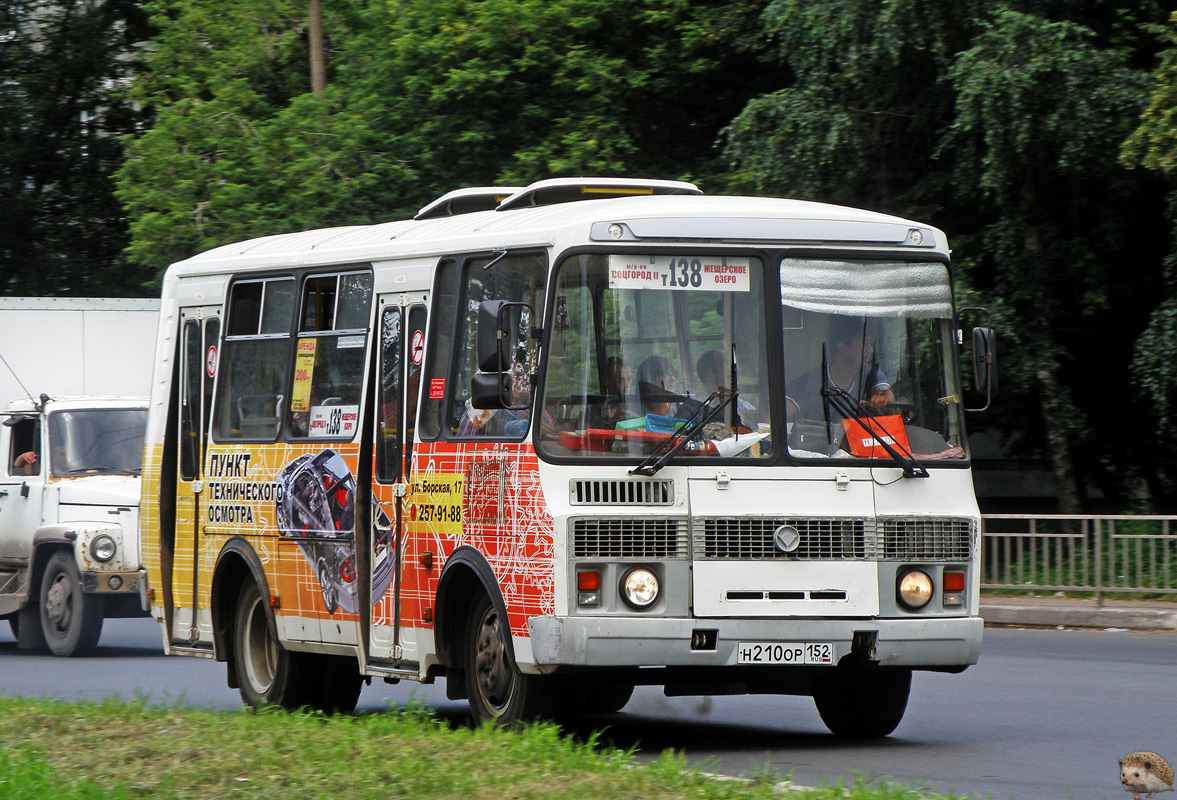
x,y
270,675
861,704
499,693
267,674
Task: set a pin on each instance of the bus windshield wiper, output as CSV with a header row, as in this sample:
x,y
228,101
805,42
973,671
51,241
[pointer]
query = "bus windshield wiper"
x,y
848,408
683,434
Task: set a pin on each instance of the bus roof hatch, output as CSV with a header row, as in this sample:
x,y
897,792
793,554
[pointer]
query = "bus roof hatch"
x,y
567,190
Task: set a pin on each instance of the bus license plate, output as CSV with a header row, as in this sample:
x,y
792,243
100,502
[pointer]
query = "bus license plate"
x,y
785,653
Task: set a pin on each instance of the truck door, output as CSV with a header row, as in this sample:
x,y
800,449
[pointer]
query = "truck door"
x,y
402,347
21,487
200,330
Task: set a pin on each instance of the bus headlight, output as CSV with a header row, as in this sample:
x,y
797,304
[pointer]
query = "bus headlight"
x,y
914,589
103,548
639,588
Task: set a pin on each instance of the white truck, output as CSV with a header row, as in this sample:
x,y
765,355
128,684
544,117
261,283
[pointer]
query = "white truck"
x,y
74,373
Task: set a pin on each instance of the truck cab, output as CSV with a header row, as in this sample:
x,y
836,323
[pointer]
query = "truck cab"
x,y
69,509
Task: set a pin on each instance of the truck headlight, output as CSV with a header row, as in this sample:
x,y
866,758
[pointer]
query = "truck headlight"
x,y
639,588
914,589
103,548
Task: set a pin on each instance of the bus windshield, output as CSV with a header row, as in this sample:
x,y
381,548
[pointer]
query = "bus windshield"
x,y
642,343
869,353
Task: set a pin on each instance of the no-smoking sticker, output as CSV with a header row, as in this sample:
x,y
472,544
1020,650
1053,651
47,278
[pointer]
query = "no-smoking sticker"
x,y
210,361
417,347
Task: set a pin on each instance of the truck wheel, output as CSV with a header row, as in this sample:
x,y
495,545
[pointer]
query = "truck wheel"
x,y
498,691
861,705
267,674
70,618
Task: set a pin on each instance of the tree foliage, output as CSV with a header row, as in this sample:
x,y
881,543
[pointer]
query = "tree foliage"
x,y
62,231
1041,136
425,97
1002,124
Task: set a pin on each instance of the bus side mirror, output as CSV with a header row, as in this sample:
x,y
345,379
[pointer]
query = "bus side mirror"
x,y
985,360
490,390
502,330
494,331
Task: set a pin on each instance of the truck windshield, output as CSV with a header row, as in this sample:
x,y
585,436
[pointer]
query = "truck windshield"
x,y
877,335
641,343
107,441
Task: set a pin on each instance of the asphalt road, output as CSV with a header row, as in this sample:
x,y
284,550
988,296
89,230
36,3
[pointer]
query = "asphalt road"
x,y
1045,714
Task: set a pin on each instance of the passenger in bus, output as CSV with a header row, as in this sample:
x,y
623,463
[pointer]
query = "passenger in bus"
x,y
656,383
614,406
714,371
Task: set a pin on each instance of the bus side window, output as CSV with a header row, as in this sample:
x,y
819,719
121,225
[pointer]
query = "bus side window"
x,y
440,355
329,356
518,278
253,368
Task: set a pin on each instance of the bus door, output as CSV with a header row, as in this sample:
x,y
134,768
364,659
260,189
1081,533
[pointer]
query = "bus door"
x,y
401,321
200,331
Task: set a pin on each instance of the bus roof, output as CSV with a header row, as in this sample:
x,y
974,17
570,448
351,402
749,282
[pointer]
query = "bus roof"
x,y
647,219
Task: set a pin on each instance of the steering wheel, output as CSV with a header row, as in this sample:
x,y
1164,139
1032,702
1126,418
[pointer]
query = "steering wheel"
x,y
909,411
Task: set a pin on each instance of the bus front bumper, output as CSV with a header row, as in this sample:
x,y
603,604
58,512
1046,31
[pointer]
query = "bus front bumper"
x,y
932,643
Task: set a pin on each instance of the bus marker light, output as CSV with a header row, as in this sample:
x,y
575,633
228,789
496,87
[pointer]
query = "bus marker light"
x,y
953,581
588,586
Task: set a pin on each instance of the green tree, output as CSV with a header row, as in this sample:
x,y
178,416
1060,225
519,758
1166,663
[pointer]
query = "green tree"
x,y
1001,126
1153,145
423,97
863,106
1041,113
60,121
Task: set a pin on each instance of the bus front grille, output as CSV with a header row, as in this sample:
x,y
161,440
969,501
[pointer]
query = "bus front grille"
x,y
923,539
751,539
611,492
629,538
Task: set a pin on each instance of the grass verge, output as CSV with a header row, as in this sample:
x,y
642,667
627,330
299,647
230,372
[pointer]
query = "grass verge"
x,y
121,751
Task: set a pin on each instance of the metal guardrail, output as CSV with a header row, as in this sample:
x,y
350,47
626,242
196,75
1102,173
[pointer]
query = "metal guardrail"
x,y
1098,554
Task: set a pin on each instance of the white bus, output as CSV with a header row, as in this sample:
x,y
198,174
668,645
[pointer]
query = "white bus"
x,y
557,441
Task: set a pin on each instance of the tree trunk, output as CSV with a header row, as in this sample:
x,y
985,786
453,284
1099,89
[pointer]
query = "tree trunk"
x,y
1059,447
318,56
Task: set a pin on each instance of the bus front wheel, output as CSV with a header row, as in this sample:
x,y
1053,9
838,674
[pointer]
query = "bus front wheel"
x,y
861,704
497,690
